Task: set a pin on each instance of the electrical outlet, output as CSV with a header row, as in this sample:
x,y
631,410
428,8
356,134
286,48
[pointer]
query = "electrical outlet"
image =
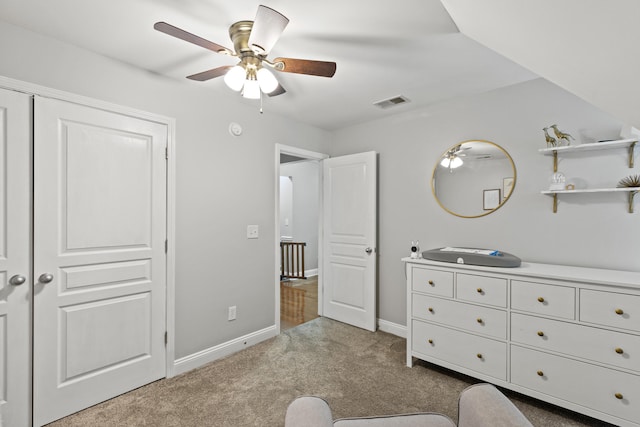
x,y
232,313
252,231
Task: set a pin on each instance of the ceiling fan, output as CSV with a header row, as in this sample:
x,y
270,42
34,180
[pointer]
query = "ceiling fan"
x,y
252,42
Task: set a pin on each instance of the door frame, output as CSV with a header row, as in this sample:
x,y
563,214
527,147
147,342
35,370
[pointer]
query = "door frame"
x,y
309,155
43,91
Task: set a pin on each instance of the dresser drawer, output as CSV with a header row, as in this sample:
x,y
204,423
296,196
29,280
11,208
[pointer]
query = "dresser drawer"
x,y
481,320
606,390
610,309
479,354
550,300
599,345
435,282
482,289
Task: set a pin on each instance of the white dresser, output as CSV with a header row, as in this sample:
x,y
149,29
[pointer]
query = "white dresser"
x,y
566,335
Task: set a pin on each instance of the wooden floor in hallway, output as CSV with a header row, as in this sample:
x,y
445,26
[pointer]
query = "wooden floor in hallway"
x,y
298,301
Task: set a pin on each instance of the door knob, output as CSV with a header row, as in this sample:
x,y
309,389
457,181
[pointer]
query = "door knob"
x,y
17,280
45,278
368,251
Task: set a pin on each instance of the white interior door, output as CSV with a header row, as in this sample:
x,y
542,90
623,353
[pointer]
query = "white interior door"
x,y
349,205
15,259
99,256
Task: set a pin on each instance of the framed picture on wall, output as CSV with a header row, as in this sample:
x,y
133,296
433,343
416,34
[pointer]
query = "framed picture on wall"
x,y
490,199
507,187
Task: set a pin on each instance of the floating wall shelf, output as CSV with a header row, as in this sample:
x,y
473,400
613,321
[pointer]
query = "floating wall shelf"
x,y
566,149
631,190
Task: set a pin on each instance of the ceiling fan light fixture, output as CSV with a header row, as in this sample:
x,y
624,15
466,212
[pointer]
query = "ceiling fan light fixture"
x,y
456,162
235,78
451,162
251,89
266,79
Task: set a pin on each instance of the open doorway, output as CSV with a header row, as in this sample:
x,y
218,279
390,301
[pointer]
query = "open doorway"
x,y
299,197
347,238
298,236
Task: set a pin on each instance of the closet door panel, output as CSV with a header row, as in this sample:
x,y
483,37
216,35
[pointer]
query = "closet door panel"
x,y
100,230
15,258
115,167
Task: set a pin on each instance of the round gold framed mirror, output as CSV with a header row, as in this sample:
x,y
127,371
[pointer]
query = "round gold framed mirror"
x,y
473,178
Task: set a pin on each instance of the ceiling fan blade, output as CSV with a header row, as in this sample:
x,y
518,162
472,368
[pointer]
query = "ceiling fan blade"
x,y
278,91
305,66
267,28
210,74
169,29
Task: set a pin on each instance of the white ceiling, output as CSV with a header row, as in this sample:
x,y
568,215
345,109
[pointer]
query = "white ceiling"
x,y
589,47
383,49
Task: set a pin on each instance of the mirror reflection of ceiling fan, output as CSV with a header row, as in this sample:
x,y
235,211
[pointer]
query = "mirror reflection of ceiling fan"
x,y
252,42
453,158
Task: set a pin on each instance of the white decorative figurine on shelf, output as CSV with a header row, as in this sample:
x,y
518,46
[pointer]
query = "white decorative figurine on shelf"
x,y
415,250
557,181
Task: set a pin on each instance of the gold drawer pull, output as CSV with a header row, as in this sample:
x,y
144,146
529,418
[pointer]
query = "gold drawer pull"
x,y
619,311
618,395
430,341
430,309
479,355
540,374
619,350
540,333
431,282
540,299
479,320
479,290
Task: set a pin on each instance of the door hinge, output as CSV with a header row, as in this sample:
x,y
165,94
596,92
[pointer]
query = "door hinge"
x,y
166,337
166,153
166,246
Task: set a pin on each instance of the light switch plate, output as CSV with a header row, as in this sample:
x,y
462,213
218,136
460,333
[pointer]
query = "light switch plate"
x,y
252,231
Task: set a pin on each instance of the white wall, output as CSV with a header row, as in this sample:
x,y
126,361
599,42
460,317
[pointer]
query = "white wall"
x,y
216,266
286,206
588,230
306,189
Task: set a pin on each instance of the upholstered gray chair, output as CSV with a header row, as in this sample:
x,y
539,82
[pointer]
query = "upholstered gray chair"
x,y
480,405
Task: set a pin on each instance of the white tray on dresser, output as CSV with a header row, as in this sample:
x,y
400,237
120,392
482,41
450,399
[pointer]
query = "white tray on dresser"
x,y
566,335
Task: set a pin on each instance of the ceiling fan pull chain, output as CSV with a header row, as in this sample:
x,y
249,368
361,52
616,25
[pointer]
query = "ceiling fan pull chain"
x,y
261,103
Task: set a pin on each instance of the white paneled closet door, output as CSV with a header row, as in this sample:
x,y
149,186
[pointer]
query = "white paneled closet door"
x,y
99,256
15,259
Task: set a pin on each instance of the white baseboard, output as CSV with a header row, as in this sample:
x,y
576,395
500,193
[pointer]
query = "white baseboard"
x,y
211,354
392,328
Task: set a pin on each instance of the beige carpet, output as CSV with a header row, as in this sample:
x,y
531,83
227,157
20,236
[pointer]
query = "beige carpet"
x,y
358,372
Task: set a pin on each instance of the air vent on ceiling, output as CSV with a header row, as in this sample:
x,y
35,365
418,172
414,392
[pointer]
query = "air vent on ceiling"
x,y
391,102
